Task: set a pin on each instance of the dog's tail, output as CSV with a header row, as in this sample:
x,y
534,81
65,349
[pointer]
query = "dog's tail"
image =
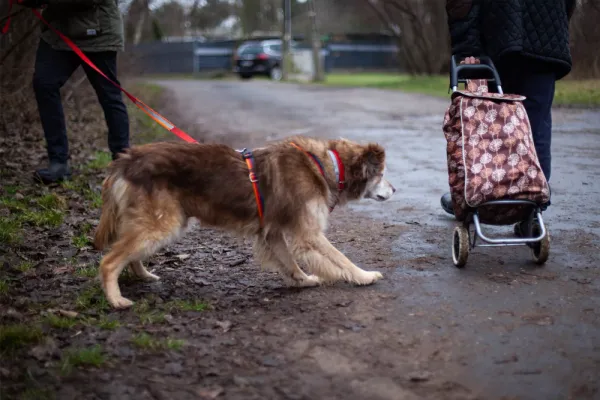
x,y
106,232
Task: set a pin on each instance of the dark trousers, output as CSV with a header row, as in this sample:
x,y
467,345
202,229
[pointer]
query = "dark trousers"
x,y
52,69
538,86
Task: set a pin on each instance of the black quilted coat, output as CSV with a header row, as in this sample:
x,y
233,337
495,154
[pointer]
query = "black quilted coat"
x,y
512,29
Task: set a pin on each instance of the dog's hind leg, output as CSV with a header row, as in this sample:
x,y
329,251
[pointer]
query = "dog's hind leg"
x,y
138,243
327,262
137,267
110,268
274,254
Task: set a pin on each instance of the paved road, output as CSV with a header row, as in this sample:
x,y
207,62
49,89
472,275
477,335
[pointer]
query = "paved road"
x,y
501,328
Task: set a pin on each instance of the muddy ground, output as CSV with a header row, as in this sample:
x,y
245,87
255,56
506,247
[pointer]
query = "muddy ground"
x,y
216,327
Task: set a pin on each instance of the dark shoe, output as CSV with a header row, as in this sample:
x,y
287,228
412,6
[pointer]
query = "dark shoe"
x,y
447,203
521,229
56,172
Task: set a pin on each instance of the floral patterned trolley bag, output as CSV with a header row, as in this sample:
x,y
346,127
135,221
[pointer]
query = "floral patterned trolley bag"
x,y
493,170
491,155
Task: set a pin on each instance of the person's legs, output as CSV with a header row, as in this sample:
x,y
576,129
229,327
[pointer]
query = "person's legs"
x,y
52,69
110,99
538,88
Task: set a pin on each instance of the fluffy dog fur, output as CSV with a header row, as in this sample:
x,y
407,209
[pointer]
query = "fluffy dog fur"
x,y
153,190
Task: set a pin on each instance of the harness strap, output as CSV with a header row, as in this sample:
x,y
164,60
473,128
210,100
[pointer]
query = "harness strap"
x,y
249,158
338,167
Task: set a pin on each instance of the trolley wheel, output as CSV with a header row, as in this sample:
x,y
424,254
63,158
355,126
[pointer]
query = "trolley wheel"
x,y
460,246
540,250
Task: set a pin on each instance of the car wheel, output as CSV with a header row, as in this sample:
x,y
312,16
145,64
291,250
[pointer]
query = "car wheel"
x,y
276,73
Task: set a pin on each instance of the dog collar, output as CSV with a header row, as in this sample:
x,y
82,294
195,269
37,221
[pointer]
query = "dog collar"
x,y
338,167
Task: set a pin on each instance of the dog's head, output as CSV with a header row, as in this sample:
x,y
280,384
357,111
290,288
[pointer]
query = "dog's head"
x,y
365,171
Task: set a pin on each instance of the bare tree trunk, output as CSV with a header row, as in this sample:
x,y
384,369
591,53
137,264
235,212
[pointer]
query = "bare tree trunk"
x,y
316,44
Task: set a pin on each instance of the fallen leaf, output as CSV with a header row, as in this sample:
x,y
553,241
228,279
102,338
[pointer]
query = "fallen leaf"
x,y
541,320
62,270
225,325
209,394
67,313
182,256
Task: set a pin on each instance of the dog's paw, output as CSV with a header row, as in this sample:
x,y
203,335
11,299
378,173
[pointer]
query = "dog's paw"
x,y
120,302
148,277
310,281
368,278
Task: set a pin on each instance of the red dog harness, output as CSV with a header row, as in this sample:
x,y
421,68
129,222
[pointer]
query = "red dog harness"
x,y
338,167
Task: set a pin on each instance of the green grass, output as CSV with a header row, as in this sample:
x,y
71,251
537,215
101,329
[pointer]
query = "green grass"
x,y
4,286
108,324
568,92
60,322
17,336
10,189
147,130
10,231
90,356
147,342
80,241
183,305
86,228
37,394
100,161
433,85
25,266
44,211
571,92
92,298
52,201
88,271
147,315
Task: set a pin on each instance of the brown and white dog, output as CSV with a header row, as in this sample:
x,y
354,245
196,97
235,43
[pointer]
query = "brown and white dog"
x,y
153,190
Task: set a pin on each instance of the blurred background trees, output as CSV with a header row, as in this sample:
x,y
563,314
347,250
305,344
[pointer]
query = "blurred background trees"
x,y
418,27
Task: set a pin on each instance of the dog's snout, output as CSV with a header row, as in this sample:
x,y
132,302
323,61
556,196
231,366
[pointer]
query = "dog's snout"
x,y
380,197
393,189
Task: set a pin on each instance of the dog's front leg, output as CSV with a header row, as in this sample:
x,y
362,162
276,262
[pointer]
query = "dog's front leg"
x,y
330,264
273,253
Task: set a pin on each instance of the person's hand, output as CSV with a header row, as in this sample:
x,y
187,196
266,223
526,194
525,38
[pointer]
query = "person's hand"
x,y
470,60
33,3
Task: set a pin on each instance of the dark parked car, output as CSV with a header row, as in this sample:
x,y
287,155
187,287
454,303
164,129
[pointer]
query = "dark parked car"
x,y
259,58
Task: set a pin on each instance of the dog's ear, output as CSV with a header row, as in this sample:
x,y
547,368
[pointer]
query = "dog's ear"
x,y
374,157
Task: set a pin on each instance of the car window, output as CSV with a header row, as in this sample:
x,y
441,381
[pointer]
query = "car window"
x,y
251,50
276,47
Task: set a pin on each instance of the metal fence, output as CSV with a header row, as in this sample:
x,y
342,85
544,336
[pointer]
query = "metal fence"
x,y
193,57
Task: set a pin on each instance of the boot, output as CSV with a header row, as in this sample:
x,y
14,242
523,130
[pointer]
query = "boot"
x,y
56,172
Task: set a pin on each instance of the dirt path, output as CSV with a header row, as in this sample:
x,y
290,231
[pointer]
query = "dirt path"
x,y
499,329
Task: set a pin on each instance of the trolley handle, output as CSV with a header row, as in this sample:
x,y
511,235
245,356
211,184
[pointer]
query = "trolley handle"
x,y
460,73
